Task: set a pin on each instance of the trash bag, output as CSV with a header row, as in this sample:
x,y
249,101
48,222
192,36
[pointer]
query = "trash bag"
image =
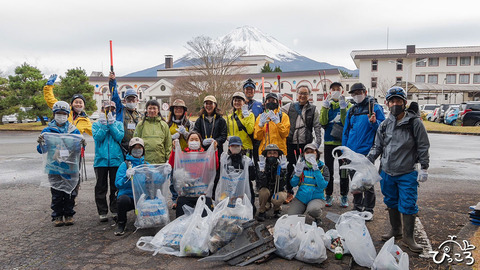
x,y
150,183
227,222
366,174
312,248
286,235
391,257
194,172
331,236
167,240
61,160
233,183
351,225
195,240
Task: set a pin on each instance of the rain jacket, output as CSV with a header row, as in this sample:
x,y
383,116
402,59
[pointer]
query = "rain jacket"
x,y
311,184
402,144
277,133
330,116
81,121
298,128
123,184
244,134
173,129
359,132
216,130
108,152
158,141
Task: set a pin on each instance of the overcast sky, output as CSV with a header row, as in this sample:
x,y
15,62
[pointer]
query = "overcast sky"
x,y
58,35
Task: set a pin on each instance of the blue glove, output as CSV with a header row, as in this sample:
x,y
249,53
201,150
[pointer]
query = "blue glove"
x,y
52,79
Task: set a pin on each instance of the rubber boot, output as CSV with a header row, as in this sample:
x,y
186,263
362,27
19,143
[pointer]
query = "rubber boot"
x,y
408,238
396,223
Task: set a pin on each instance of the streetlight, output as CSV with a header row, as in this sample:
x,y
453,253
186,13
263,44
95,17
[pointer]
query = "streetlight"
x,y
406,69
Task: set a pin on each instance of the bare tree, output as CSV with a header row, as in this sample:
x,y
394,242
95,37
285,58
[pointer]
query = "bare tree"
x,y
214,70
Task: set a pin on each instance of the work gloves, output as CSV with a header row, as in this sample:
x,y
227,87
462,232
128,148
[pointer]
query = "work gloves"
x,y
52,79
175,136
261,163
102,119
245,111
183,131
298,168
326,102
208,141
422,176
342,103
110,118
274,117
40,139
130,173
283,162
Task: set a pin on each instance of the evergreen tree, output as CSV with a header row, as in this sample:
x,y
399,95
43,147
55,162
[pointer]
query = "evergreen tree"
x,y
76,82
8,101
277,69
266,68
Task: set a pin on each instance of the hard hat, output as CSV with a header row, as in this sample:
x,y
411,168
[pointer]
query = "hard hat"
x,y
272,147
396,91
61,106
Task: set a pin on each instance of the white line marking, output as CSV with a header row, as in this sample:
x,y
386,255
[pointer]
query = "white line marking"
x,y
424,241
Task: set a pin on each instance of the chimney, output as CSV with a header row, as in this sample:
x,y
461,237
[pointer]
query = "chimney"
x,y
410,49
168,61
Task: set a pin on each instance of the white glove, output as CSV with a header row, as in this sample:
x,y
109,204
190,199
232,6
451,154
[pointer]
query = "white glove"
x,y
168,169
102,119
40,139
182,130
298,168
283,162
245,111
422,176
261,163
175,136
130,173
263,119
274,117
110,118
326,102
208,141
342,103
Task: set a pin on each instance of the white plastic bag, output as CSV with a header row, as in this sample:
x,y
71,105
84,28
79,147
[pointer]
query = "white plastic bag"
x,y
312,248
195,240
391,257
351,225
366,174
330,236
233,183
288,230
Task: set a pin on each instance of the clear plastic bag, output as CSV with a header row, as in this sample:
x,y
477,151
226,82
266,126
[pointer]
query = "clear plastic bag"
x,y
391,257
194,172
233,183
286,236
61,160
366,174
312,248
196,237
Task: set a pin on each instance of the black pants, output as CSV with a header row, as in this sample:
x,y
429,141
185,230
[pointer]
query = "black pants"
x,y
363,201
329,160
104,174
62,203
291,157
124,204
191,201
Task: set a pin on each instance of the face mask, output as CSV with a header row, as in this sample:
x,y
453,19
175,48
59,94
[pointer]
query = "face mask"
x,y
137,153
131,105
235,149
194,145
272,106
336,95
61,118
396,110
272,160
78,110
358,98
311,158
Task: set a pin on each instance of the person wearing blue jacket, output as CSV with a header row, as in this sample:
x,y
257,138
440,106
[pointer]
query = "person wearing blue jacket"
x,y
125,201
62,202
361,124
311,176
254,106
108,134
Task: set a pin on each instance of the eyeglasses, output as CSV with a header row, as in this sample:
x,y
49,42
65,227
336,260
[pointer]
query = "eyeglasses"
x,y
303,94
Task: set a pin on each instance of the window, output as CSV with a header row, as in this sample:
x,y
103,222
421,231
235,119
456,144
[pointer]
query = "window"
x,y
420,78
465,61
446,97
476,78
433,78
464,78
163,88
476,60
374,65
451,78
433,62
374,82
451,61
421,63
398,80
399,64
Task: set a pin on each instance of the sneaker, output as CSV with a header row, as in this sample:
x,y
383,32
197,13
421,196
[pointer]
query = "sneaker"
x,y
103,218
329,201
69,221
289,198
277,214
344,201
261,217
120,229
58,222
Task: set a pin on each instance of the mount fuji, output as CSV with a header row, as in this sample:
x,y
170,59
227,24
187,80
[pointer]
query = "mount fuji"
x,y
255,42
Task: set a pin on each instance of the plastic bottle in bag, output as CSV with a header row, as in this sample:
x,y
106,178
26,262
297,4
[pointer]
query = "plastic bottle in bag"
x,y
338,253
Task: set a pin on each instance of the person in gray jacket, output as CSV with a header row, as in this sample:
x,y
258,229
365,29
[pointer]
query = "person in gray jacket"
x,y
402,142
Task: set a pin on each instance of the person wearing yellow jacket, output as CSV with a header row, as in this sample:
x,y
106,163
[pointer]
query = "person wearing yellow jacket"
x,y
178,122
272,126
77,116
241,122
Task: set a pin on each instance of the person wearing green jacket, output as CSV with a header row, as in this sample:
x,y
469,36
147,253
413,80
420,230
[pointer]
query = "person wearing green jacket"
x,y
155,133
332,118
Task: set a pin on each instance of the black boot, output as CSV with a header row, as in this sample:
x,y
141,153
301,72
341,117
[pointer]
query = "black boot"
x,y
120,228
408,229
396,223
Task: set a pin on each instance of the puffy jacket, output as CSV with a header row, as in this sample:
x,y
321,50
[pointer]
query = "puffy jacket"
x,y
123,184
312,183
268,178
249,124
108,152
359,132
216,130
277,133
402,144
81,121
173,130
158,141
303,131
255,107
330,116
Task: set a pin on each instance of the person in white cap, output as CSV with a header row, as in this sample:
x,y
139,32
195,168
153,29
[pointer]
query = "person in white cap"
x,y
241,122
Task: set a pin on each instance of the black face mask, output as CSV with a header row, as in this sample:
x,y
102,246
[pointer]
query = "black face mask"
x,y
272,161
396,110
271,106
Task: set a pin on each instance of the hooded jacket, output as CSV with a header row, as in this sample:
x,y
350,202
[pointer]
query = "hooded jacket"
x,y
108,152
277,133
249,124
158,141
312,183
123,184
330,116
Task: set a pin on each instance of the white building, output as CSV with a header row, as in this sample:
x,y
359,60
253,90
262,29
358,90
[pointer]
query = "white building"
x,y
432,75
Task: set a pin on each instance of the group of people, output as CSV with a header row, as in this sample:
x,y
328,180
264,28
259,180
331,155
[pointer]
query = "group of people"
x,y
278,146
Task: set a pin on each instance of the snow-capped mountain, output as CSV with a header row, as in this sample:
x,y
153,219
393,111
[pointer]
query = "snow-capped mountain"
x,y
255,42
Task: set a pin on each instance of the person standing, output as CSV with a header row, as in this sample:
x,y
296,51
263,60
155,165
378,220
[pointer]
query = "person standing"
x,y
332,118
241,122
402,142
304,122
256,108
361,124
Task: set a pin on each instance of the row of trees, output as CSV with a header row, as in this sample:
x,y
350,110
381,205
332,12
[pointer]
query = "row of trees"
x,y
25,89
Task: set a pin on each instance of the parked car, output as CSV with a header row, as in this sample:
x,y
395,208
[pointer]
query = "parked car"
x,y
428,108
14,118
435,114
470,113
441,112
451,115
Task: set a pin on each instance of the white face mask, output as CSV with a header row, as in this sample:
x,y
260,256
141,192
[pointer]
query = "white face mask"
x,y
61,118
311,158
235,149
131,105
336,95
358,98
194,145
137,153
